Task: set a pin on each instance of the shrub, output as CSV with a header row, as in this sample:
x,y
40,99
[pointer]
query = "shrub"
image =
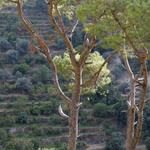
x,y
23,68
82,145
4,45
6,87
22,117
39,59
48,108
9,121
18,75
56,119
115,142
122,87
12,56
42,75
38,131
5,75
40,5
3,135
147,143
29,59
22,46
118,70
35,110
23,84
100,110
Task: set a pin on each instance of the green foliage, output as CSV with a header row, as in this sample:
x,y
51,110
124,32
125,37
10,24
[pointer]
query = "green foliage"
x,y
82,145
46,108
107,94
60,43
41,6
39,59
117,71
5,75
147,143
22,117
29,59
65,69
120,116
115,142
146,122
131,14
23,68
56,119
22,46
4,136
38,131
12,56
100,110
39,88
122,87
43,74
6,87
23,84
9,120
4,45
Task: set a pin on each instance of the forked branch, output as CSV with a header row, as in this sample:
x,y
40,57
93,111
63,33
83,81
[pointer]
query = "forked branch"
x,y
45,50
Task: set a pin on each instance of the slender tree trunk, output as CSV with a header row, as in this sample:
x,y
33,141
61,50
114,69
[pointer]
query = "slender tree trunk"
x,y
73,128
74,108
130,116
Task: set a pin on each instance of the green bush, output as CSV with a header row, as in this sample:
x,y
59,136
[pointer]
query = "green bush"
x,y
29,59
40,5
35,110
6,87
5,75
22,46
56,119
82,145
38,131
122,87
22,117
9,120
147,143
42,75
4,45
117,71
23,68
12,56
100,110
3,135
115,142
39,59
23,84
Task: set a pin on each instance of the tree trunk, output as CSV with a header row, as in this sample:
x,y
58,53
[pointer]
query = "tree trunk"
x,y
130,117
73,128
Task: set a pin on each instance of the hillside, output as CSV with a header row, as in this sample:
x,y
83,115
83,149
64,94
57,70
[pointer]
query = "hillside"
x,y
29,103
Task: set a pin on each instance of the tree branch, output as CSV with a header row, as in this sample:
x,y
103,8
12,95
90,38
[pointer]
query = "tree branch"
x,y
84,43
66,117
59,16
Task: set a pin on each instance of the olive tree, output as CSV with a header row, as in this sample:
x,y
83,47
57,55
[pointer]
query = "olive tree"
x,y
12,56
